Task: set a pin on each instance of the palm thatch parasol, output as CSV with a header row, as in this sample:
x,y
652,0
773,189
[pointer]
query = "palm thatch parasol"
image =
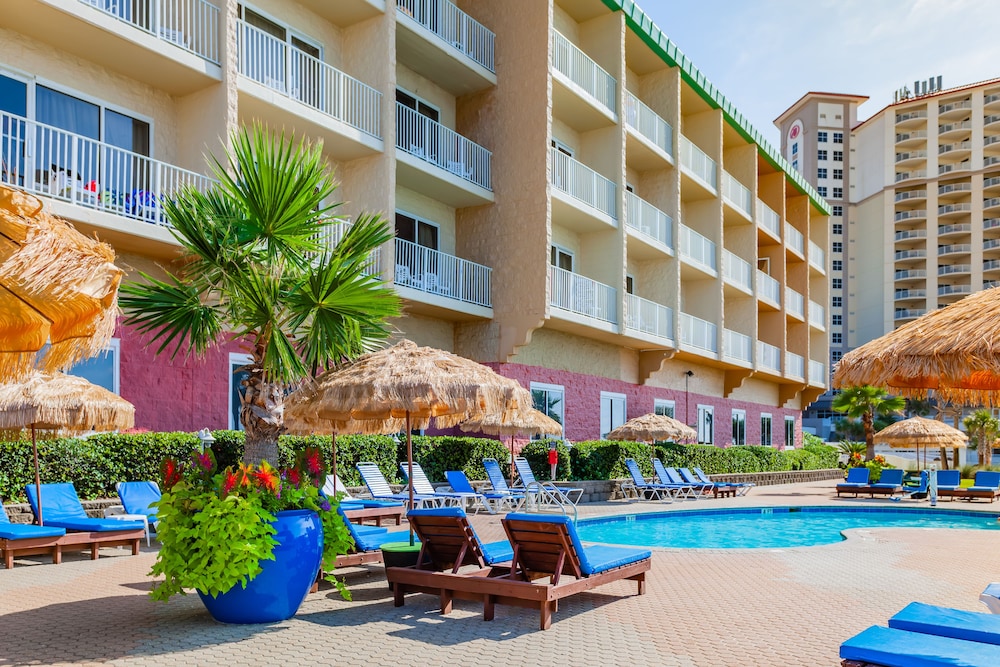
x,y
954,351
653,427
525,422
57,403
920,431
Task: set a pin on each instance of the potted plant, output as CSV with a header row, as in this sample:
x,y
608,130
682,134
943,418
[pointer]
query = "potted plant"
x,y
249,540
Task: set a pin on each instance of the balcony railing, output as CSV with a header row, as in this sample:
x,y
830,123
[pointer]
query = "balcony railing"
x,y
906,136
192,25
908,313
817,256
648,123
698,162
737,194
432,142
648,220
949,269
768,219
989,182
910,274
991,160
955,208
991,264
954,106
955,187
911,155
581,295
817,315
737,346
795,365
435,272
333,235
945,290
960,146
960,248
957,166
911,115
910,254
953,127
46,160
989,120
768,288
649,317
817,372
907,234
578,67
581,182
990,223
736,271
911,194
907,175
768,356
275,64
902,294
910,215
699,333
943,230
696,248
989,244
794,239
989,203
795,303
454,27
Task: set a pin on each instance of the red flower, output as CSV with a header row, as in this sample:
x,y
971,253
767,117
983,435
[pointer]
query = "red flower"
x,y
313,461
229,483
171,473
293,477
204,461
267,478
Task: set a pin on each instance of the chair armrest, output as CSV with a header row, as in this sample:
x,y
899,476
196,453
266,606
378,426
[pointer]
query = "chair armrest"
x,y
113,510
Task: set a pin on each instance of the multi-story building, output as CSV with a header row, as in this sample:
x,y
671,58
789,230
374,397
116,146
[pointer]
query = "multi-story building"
x,y
574,203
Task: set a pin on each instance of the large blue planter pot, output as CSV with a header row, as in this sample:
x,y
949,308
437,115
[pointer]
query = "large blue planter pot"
x,y
277,592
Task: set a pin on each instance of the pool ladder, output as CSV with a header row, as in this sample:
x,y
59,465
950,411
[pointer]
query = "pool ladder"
x,y
540,498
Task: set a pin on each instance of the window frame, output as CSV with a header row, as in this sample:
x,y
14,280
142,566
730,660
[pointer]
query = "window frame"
x,y
555,250
789,441
822,137
235,359
739,422
114,350
548,387
611,397
769,440
706,433
665,403
417,221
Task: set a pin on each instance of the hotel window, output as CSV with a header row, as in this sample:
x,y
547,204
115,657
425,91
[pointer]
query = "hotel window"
x,y
835,356
237,375
739,427
838,228
612,412
837,302
837,338
765,430
838,211
270,64
837,246
789,432
838,174
795,148
837,320
550,399
629,284
663,407
838,156
821,190
795,164
706,425
417,133
821,154
821,137
838,193
102,370
838,137
561,257
821,172
837,283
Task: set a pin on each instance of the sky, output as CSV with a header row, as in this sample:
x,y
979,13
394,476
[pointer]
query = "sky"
x,y
765,54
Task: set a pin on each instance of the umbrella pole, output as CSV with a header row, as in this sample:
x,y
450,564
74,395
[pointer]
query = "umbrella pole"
x,y
333,440
38,479
512,460
409,468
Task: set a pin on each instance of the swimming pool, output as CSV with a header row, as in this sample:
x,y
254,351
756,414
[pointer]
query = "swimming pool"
x,y
767,527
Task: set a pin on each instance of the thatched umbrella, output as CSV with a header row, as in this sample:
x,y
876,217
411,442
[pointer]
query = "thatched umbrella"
x,y
58,403
920,431
418,385
651,428
525,422
56,286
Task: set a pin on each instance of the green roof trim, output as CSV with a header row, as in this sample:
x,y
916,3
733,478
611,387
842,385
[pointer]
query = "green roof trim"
x,y
649,33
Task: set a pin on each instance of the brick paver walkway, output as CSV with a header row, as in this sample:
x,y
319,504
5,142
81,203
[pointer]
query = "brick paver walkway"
x,y
772,607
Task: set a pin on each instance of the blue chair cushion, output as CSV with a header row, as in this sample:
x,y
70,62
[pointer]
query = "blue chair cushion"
x,y
93,525
852,485
987,479
594,559
138,498
493,552
949,479
23,531
857,476
374,541
59,502
898,648
947,622
982,489
891,477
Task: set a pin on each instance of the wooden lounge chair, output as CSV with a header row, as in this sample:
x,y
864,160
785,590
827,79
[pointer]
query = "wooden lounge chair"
x,y
949,483
888,647
359,510
985,485
61,508
856,482
18,539
889,484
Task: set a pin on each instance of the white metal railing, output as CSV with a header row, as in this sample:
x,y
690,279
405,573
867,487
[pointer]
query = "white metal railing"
x,y
910,254
697,248
273,63
649,317
962,227
698,162
989,203
795,303
956,187
650,221
910,115
432,142
736,345
949,269
768,219
908,313
794,239
913,194
648,123
768,288
817,371
768,356
579,294
945,290
581,182
699,333
957,208
989,99
991,264
795,365
453,26
192,25
435,272
963,248
817,314
49,161
911,155
951,127
989,244
907,175
960,146
910,215
736,193
989,182
990,223
911,234
989,120
901,294
906,136
333,234
578,67
817,256
955,106
990,140
956,166
909,274
736,271
991,160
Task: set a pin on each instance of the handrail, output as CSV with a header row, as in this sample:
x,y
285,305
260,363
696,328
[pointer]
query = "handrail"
x,y
432,142
193,25
454,27
581,182
581,69
649,124
436,272
538,496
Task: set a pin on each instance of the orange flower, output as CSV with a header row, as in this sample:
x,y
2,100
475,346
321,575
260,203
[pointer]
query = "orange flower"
x,y
267,478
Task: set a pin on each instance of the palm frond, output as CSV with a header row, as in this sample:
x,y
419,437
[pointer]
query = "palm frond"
x,y
173,312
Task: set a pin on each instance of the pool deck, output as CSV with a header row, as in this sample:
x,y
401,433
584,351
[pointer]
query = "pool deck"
x,y
768,607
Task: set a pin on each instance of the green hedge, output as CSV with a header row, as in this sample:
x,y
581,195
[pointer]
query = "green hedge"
x,y
440,453
605,459
537,454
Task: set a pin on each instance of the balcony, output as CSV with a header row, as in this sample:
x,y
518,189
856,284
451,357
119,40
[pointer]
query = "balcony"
x,y
949,130
650,225
910,158
334,234
817,373
908,255
908,313
737,347
795,304
919,214
949,290
436,273
991,182
910,117
991,223
768,357
817,257
768,289
736,272
650,318
990,284
345,13
277,73
650,139
437,161
990,160
910,234
576,78
587,198
954,109
737,195
991,101
698,335
817,315
911,195
960,149
911,175
951,210
910,274
991,122
768,220
953,189
991,265
991,203
954,167
71,169
794,240
580,295
909,294
795,365
441,42
913,137
955,269
697,251
948,230
696,164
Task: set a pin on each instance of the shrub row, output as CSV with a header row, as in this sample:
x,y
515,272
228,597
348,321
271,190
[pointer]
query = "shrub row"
x,y
97,463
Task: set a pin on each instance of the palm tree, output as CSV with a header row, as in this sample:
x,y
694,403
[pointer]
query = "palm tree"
x,y
984,427
866,403
919,407
257,269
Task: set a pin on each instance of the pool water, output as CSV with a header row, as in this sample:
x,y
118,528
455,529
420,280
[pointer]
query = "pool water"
x,y
767,527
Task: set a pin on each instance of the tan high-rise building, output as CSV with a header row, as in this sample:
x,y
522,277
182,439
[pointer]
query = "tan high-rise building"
x,y
574,203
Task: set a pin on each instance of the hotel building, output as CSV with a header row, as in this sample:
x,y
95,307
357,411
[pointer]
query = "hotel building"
x,y
574,203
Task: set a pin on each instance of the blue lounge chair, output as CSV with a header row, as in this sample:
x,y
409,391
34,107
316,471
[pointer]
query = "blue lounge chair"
x,y
856,482
947,622
985,485
379,487
492,501
423,486
332,485
742,488
649,490
898,648
21,539
919,491
137,499
948,483
889,484
564,493
499,483
991,597
368,541
671,477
